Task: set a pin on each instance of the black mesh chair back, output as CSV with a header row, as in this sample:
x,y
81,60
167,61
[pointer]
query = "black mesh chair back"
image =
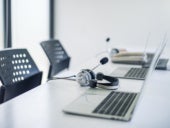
x,y
18,72
58,57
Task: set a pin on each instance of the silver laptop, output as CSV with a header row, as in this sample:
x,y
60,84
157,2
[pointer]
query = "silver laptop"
x,y
110,104
139,72
134,72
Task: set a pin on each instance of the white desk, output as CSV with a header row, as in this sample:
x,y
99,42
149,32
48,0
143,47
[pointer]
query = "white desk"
x,y
42,106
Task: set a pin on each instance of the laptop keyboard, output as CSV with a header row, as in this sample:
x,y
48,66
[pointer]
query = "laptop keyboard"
x,y
138,73
116,103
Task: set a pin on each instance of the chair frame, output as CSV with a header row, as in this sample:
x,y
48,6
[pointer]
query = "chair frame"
x,y
56,65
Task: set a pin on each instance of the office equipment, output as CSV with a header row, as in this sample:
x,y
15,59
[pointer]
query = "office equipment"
x,y
103,61
138,73
162,64
18,73
87,77
143,59
132,57
117,105
111,104
42,106
113,51
57,55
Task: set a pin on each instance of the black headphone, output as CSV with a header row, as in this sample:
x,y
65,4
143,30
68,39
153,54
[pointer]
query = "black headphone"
x,y
87,78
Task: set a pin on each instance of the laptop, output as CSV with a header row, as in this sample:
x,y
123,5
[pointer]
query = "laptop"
x,y
140,72
109,104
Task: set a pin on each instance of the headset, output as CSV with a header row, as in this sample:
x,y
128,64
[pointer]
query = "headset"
x,y
87,77
111,51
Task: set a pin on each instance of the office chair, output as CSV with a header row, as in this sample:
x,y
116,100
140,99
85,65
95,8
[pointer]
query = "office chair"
x,y
57,56
18,73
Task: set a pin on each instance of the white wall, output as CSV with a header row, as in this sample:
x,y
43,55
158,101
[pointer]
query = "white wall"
x,y
83,25
30,26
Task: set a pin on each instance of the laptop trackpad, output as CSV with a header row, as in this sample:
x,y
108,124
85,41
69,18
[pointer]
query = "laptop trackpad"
x,y
86,103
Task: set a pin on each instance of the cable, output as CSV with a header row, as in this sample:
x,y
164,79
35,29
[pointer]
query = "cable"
x,y
66,78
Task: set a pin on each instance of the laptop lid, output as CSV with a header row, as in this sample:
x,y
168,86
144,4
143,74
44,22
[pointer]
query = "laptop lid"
x,y
153,65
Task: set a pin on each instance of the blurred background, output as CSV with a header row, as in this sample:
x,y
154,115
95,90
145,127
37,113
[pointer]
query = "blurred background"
x,y
82,26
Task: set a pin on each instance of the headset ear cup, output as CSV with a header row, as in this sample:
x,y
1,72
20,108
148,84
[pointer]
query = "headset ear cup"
x,y
114,51
92,75
113,81
84,77
99,76
93,83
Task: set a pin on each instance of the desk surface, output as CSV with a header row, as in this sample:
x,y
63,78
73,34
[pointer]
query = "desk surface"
x,y
42,107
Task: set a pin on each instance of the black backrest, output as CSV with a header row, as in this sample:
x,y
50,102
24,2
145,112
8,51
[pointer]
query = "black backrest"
x,y
16,65
57,56
21,87
18,73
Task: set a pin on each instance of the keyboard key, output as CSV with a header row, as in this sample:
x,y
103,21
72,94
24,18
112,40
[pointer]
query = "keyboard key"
x,y
116,103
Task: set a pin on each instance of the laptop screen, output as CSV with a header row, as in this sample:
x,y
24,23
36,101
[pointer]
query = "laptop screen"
x,y
154,62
